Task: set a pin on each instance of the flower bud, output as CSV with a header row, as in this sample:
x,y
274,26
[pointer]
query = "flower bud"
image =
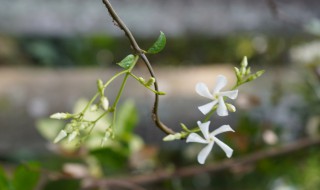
x,y
237,71
169,138
105,138
231,108
68,128
105,103
94,107
60,116
72,136
248,71
141,80
244,62
259,73
172,137
151,81
62,134
100,86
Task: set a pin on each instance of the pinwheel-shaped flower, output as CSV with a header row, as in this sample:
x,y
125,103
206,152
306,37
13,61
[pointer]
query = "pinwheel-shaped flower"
x,y
217,97
210,139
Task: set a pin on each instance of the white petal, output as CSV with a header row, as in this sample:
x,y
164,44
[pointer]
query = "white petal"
x,y
221,82
203,154
222,129
204,127
194,137
222,108
205,109
230,94
224,147
203,90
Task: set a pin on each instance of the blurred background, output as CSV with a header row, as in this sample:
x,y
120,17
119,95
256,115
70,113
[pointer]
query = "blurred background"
x,y
52,53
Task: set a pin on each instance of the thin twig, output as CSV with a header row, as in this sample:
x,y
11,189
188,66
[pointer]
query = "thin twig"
x,y
220,166
140,52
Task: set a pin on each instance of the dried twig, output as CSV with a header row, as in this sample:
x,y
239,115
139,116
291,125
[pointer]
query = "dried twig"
x,y
216,167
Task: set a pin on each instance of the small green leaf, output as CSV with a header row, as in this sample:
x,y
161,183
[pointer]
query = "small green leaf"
x,y
26,177
4,182
127,62
158,45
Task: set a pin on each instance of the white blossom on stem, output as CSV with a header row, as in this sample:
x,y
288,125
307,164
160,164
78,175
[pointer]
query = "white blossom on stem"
x,y
210,139
216,96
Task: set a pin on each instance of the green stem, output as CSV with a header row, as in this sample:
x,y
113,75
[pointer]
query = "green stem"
x,y
148,87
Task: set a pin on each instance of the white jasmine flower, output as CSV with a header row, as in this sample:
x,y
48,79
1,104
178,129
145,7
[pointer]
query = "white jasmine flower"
x,y
217,97
210,139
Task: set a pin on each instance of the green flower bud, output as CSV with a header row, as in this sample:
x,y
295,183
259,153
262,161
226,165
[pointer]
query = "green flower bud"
x,y
237,71
151,81
231,107
259,73
100,86
248,71
141,80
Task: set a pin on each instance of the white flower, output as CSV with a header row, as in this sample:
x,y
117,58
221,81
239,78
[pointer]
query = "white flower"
x,y
217,97
210,139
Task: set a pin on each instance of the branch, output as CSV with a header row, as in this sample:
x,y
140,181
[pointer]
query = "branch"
x,y
140,52
216,167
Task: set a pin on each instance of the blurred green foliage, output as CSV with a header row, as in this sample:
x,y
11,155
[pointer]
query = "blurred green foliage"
x,y
102,50
24,177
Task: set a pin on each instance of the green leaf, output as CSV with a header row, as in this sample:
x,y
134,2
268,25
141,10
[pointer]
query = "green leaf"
x,y
26,177
127,62
4,182
158,45
127,118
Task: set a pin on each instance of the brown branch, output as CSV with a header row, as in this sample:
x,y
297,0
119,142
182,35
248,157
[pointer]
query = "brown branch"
x,y
140,52
220,166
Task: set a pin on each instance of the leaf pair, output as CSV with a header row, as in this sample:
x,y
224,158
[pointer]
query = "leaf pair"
x,y
158,46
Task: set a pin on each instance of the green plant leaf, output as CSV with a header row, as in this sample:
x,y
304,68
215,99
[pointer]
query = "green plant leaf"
x,y
26,177
4,182
127,118
158,45
127,62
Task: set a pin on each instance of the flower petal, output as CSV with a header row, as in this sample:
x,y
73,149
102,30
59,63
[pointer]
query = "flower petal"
x,y
230,94
194,137
222,129
224,147
222,108
207,107
203,154
203,90
204,127
221,82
